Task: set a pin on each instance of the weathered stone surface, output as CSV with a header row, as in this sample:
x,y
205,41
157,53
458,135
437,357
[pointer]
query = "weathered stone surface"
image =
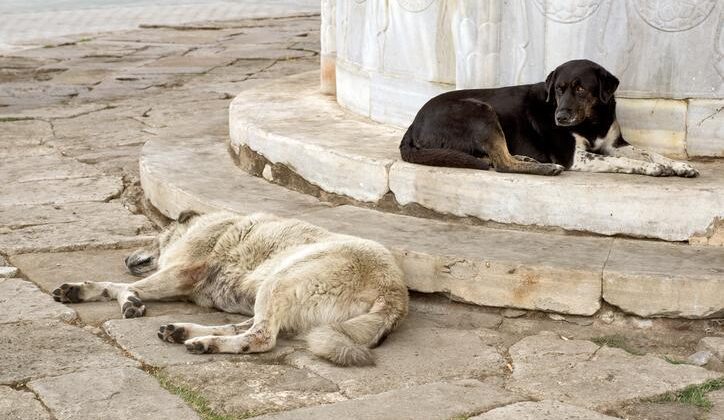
x,y
22,301
714,345
583,374
8,272
38,349
705,124
319,146
61,191
717,400
541,410
138,337
656,279
411,356
662,411
424,402
481,265
444,312
245,389
20,405
26,169
109,393
184,64
592,202
214,184
70,226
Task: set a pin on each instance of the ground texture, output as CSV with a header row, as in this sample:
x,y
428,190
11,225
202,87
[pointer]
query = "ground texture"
x,y
73,117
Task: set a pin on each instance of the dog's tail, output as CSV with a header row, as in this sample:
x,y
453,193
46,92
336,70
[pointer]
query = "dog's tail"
x,y
348,343
438,157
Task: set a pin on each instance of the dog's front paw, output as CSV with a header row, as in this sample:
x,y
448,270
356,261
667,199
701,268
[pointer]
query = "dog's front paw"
x,y
684,170
201,345
133,307
553,169
172,333
67,293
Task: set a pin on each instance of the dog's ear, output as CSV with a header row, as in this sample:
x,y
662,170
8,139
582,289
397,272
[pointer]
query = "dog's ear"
x,y
607,84
551,86
186,215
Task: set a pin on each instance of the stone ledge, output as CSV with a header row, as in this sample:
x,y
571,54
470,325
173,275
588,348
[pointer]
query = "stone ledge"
x,y
485,266
289,122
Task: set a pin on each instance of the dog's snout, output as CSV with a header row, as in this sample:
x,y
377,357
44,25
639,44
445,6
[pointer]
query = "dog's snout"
x,y
125,260
564,115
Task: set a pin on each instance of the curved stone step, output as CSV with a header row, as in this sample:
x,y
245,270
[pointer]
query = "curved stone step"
x,y
485,266
289,122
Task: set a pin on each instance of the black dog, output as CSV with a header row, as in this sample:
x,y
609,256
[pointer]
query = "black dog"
x,y
567,122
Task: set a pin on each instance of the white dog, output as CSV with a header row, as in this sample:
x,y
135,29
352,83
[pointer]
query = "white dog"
x,y
347,293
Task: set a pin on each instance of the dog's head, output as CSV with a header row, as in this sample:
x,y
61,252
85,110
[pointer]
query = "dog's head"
x,y
578,87
144,260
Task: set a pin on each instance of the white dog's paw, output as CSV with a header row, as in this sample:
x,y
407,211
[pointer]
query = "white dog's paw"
x,y
201,345
684,169
173,333
133,307
68,293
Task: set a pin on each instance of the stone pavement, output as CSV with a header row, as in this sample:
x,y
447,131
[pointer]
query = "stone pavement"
x,y
73,118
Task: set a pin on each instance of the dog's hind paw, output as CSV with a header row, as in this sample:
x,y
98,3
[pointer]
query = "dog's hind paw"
x,y
551,169
67,293
684,170
172,333
133,307
200,345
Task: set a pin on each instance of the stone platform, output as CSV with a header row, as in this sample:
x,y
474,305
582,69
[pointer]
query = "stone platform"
x,y
495,267
290,123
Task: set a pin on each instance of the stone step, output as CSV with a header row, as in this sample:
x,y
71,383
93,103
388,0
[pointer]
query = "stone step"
x,y
290,123
496,267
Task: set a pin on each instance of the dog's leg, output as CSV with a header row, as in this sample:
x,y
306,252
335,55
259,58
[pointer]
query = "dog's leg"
x,y
262,335
672,167
259,338
591,162
172,282
178,332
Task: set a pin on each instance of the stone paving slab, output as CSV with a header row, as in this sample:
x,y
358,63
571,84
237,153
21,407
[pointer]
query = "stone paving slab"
x,y
241,389
69,226
21,300
541,410
138,337
411,356
36,349
50,270
481,265
118,393
670,280
713,344
442,311
21,405
432,401
61,191
24,169
8,272
583,374
717,400
221,184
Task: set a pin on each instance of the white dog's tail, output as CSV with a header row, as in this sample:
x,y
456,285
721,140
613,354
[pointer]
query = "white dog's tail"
x,y
348,343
